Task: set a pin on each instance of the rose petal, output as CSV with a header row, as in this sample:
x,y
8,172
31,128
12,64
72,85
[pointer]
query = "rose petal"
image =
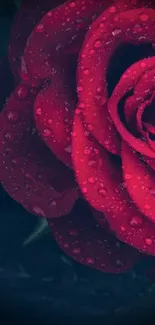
x,y
29,172
149,161
140,181
92,95
126,84
56,33
54,107
101,182
28,15
57,103
80,237
109,31
145,89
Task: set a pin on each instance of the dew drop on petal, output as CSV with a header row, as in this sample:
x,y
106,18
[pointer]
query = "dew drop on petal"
x,y
144,17
127,176
68,149
148,241
21,91
136,221
38,111
47,133
76,251
90,260
91,180
38,210
8,136
40,28
84,190
102,191
147,206
12,116
97,43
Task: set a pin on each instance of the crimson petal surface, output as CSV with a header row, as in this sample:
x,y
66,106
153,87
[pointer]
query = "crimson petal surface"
x,y
80,237
111,29
28,15
102,184
29,172
136,78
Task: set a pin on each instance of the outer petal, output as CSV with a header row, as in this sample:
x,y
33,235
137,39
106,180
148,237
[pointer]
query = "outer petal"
x,y
54,107
101,181
26,18
80,237
140,181
29,172
57,32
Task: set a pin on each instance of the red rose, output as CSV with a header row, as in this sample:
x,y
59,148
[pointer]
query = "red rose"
x,y
56,144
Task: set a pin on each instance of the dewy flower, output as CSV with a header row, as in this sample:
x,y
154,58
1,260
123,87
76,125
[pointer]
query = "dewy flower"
x,y
63,141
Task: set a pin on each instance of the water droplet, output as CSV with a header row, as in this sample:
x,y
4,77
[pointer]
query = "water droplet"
x,y
91,162
102,191
76,250
84,190
101,25
39,176
38,111
91,51
81,105
90,260
148,241
87,151
52,203
12,116
24,72
72,4
112,9
16,161
127,176
9,136
123,229
47,133
136,221
86,71
50,13
144,17
147,206
90,127
36,209
91,180
79,88
116,32
21,91
68,149
77,111
40,28
97,43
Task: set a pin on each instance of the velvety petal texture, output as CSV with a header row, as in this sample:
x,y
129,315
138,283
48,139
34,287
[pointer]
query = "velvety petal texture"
x,y
71,150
